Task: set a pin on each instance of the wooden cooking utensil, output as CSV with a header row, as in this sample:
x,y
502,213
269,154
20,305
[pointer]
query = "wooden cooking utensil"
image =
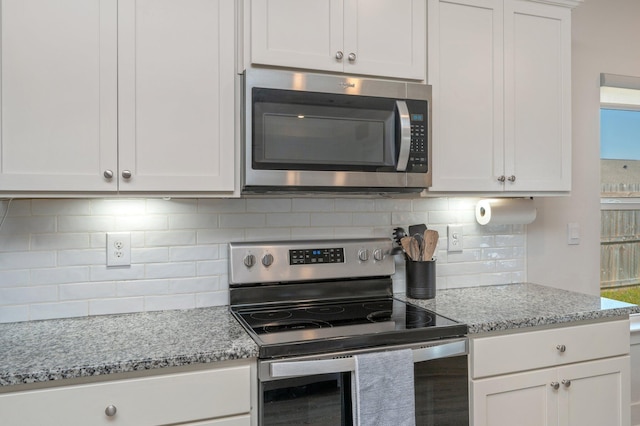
x,y
430,241
411,247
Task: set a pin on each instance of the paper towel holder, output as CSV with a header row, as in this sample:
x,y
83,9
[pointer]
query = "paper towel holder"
x,y
505,211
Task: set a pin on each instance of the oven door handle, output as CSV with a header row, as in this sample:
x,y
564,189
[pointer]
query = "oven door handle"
x,y
339,365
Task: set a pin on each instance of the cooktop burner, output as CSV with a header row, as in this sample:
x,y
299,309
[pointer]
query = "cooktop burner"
x,y
324,326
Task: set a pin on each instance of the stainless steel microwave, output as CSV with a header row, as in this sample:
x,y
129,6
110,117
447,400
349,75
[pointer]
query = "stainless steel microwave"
x,y
317,132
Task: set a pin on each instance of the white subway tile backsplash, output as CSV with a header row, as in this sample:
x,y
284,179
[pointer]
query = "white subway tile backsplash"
x,y
54,207
28,295
142,288
312,205
172,206
141,223
280,220
169,238
242,220
331,219
59,241
203,252
170,270
121,305
28,224
60,275
53,259
87,291
15,278
42,311
116,207
12,313
114,273
27,260
85,223
174,301
193,221
215,298
269,205
13,242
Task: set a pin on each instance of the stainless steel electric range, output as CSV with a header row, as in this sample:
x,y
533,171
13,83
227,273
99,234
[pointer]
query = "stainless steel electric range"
x,y
312,305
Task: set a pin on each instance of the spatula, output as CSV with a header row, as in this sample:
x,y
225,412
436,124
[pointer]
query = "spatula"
x,y
430,241
411,247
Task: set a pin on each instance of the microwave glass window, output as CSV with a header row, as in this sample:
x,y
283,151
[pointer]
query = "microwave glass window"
x,y
319,131
322,140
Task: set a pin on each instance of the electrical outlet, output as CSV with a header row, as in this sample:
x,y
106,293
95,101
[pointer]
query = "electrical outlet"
x,y
118,248
454,238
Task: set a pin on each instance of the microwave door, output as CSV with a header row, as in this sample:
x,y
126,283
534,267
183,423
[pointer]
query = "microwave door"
x,y
404,135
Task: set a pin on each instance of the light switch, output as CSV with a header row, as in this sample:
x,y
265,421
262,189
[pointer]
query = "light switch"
x,y
573,233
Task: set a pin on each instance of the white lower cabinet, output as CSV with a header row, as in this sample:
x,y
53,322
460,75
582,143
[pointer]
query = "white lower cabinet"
x,y
570,376
219,396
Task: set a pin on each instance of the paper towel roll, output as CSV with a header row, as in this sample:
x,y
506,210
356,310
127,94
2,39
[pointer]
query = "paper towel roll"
x,y
505,211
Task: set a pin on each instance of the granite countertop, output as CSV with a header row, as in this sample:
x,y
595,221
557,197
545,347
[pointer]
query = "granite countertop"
x,y
41,351
515,306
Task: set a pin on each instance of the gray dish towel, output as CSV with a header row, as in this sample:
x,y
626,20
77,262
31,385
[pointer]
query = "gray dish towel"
x,y
383,391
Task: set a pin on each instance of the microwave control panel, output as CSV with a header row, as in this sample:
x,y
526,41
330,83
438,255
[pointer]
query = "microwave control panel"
x,y
418,156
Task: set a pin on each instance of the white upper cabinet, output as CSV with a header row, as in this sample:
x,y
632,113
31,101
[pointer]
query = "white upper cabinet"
x,y
58,72
100,96
501,76
176,95
370,37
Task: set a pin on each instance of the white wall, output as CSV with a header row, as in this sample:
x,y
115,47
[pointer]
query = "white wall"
x,y
53,255
605,36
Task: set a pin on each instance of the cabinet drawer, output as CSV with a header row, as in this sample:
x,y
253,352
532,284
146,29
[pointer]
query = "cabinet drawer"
x,y
536,349
167,399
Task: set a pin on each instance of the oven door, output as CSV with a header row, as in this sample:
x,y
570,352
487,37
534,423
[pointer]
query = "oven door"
x,y
317,390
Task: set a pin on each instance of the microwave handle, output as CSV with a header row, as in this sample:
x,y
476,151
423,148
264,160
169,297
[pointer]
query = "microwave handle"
x,y
339,365
405,135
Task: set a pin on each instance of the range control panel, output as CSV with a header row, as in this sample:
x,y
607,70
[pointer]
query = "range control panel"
x,y
322,255
285,261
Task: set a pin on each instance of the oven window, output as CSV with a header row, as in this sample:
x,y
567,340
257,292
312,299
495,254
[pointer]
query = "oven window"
x,y
442,392
323,400
316,131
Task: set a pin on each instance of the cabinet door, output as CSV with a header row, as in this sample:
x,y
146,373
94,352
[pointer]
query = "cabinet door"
x,y
537,96
386,38
176,95
466,71
297,33
58,95
598,393
523,399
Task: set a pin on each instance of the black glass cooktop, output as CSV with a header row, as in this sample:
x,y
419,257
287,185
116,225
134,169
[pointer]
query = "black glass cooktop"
x,y
307,328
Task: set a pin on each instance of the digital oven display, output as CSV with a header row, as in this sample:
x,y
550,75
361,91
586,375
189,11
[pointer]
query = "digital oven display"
x,y
313,256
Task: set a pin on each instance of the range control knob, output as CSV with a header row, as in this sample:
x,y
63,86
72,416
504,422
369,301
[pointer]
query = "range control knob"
x,y
378,255
363,255
249,260
267,259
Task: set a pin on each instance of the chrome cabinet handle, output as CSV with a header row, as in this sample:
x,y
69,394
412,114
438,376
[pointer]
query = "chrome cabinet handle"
x,y
555,385
352,57
501,179
339,55
111,410
561,348
511,178
108,174
126,174
566,383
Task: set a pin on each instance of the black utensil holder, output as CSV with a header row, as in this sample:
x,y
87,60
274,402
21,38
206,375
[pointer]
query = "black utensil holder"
x,y
421,279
